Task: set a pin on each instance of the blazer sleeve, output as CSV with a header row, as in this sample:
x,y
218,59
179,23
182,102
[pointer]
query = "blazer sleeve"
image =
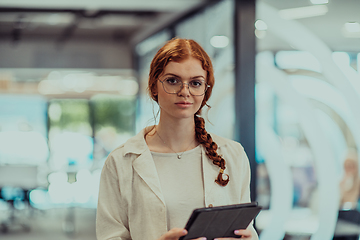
x,y
111,217
245,165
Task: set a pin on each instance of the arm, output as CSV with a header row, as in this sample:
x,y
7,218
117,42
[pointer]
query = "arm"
x,y
111,218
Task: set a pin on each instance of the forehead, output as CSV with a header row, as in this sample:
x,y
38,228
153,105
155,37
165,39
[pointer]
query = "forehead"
x,y
189,67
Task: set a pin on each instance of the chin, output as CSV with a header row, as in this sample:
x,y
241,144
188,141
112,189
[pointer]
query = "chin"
x,y
185,115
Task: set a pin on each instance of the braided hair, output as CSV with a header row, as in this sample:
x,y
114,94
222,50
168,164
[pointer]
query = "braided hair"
x,y
205,139
176,50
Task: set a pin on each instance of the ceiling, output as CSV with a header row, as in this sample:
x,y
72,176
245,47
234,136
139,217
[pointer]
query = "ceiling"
x,y
328,27
133,20
122,19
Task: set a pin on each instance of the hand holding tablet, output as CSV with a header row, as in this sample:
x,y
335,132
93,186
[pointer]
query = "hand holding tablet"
x,y
220,222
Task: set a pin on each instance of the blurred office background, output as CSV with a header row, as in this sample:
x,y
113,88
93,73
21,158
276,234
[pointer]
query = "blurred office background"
x,y
73,79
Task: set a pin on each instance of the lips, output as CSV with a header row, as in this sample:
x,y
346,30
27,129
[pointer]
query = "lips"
x,y
183,104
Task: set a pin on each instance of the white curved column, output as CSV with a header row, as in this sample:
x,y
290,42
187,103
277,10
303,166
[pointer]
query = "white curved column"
x,y
330,96
324,158
281,181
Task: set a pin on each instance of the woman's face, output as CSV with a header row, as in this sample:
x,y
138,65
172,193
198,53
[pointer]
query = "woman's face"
x,y
182,104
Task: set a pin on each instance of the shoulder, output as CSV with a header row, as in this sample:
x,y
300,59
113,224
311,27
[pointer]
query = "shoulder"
x,y
232,151
226,143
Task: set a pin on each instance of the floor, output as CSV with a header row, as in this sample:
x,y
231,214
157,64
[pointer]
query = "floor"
x,y
57,224
52,224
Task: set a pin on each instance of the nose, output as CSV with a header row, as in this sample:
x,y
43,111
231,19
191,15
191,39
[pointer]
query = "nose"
x,y
184,91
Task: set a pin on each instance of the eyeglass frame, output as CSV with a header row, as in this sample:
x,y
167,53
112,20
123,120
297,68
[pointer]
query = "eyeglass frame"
x,y
182,85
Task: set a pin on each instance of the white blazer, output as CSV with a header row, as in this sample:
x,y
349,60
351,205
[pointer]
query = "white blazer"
x,y
131,205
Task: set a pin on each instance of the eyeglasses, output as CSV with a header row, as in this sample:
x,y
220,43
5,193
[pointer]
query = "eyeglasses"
x,y
174,86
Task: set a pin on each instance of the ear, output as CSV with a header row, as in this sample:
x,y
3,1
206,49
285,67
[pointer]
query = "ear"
x,y
155,90
154,94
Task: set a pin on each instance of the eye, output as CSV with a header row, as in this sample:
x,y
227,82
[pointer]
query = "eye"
x,y
196,83
172,81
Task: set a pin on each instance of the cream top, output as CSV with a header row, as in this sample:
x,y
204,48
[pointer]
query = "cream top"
x,y
181,183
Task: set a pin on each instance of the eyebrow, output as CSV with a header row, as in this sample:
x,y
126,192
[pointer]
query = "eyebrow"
x,y
174,75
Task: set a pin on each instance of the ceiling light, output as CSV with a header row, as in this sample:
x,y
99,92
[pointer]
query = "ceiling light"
x,y
303,12
319,1
261,25
219,41
352,27
351,30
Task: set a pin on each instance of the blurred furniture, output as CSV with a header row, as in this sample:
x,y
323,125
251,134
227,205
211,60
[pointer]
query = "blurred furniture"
x,y
15,183
348,225
303,222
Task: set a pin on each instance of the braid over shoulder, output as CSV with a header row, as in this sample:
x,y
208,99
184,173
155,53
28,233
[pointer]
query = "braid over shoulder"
x,y
204,138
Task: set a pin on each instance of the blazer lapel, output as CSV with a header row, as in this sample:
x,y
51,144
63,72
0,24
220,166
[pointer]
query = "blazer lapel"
x,y
145,167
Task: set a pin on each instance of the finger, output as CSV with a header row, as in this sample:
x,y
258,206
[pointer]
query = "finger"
x,y
226,238
244,233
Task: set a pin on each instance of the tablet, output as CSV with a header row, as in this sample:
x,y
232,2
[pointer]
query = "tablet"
x,y
221,221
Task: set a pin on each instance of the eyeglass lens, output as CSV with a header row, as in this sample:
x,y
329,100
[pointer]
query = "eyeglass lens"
x,y
196,87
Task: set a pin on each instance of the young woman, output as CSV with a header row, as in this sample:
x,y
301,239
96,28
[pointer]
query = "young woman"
x,y
151,184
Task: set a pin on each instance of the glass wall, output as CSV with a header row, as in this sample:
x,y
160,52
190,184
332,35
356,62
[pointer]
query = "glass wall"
x,y
54,142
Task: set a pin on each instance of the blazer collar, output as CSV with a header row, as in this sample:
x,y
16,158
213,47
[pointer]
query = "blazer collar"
x,y
136,144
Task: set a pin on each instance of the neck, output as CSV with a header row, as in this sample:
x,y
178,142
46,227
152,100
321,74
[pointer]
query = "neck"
x,y
177,134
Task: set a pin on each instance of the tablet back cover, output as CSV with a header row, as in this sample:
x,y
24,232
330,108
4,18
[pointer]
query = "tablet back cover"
x,y
213,224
